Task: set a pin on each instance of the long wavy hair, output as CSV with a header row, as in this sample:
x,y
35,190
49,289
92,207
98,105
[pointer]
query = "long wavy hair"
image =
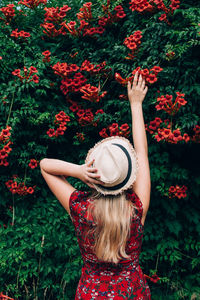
x,y
112,216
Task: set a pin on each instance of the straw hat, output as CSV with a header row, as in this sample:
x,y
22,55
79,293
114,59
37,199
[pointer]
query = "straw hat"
x,y
116,162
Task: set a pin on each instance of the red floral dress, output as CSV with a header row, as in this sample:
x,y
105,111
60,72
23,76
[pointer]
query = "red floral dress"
x,y
103,280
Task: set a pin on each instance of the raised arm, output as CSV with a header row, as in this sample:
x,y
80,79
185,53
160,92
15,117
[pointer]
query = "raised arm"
x,y
142,185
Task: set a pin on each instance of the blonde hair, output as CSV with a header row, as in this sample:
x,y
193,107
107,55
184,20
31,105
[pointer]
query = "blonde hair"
x,y
113,216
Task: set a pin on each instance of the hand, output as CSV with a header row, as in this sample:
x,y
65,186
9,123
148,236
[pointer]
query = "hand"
x,y
137,92
89,174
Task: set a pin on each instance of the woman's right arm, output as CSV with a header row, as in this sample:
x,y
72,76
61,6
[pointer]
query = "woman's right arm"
x,y
142,185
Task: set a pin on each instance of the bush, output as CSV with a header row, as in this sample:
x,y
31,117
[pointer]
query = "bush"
x,y
64,71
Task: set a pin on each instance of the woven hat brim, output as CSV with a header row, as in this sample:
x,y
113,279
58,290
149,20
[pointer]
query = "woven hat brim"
x,y
135,166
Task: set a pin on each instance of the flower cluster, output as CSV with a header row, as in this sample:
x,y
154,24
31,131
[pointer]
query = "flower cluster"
x,y
84,28
165,133
91,93
27,74
8,12
33,163
32,3
196,137
57,14
149,77
145,6
80,136
85,116
51,31
61,118
72,84
21,33
69,84
85,12
93,70
165,103
132,42
170,136
177,191
75,31
5,142
154,125
64,69
111,18
114,130
19,188
46,54
154,278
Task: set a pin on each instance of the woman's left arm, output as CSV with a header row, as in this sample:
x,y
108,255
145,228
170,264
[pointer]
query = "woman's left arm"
x,y
54,172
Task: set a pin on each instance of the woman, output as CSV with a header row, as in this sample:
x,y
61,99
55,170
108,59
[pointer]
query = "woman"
x,y
109,223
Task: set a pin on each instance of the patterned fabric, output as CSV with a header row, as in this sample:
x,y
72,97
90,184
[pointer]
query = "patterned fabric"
x,y
102,280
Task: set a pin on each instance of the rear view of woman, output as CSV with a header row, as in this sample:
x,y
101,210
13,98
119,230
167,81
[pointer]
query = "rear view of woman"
x,y
109,220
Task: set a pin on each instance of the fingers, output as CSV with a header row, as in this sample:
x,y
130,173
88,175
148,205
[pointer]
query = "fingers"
x,y
90,180
135,80
91,185
145,90
91,175
143,84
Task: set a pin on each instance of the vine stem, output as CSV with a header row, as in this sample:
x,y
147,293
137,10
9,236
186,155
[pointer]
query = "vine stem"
x,y
18,275
104,83
186,255
157,261
42,244
11,105
13,213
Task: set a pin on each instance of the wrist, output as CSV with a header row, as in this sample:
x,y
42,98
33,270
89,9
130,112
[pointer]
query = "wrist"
x,y
80,172
135,104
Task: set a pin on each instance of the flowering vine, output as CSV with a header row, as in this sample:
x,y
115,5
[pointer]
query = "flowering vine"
x,y
177,191
149,77
8,12
91,93
114,129
46,54
32,3
55,16
162,130
133,42
15,33
5,143
62,119
15,186
27,74
153,6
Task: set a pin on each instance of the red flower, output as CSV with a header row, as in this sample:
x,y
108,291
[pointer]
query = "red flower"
x,y
124,127
51,132
35,78
74,107
99,111
46,53
30,190
154,278
103,133
33,69
33,163
16,72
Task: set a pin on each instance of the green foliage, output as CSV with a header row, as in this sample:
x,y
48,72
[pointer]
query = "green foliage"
x,y
39,253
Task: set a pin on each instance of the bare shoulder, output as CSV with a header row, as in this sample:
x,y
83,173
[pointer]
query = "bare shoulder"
x,y
142,185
